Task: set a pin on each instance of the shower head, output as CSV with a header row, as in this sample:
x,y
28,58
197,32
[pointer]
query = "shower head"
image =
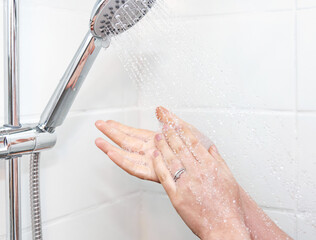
x,y
112,17
109,18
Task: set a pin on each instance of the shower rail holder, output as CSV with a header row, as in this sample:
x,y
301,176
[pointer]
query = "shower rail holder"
x,y
24,140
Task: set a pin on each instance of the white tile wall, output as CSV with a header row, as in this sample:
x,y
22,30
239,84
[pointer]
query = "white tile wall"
x,y
204,7
306,3
157,214
306,38
285,220
254,44
1,68
306,225
2,198
72,5
118,221
255,54
307,162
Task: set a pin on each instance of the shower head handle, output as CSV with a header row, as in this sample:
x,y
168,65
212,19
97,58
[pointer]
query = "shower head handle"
x,y
71,82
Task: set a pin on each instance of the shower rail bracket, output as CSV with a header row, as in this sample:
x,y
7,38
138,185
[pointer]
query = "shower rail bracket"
x,y
28,139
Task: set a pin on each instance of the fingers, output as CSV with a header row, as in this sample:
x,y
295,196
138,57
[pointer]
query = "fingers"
x,y
171,119
193,143
188,134
107,147
166,117
124,141
213,149
133,132
129,167
163,174
216,155
130,162
173,163
178,147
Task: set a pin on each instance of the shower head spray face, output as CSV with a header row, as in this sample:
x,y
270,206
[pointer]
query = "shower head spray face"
x,y
112,17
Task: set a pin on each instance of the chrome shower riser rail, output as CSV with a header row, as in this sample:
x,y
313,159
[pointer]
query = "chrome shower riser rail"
x,y
12,114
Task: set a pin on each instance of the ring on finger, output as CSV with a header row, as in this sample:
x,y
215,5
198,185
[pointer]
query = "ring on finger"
x,y
178,174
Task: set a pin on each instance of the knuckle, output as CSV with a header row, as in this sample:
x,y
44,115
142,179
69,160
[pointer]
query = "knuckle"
x,y
178,148
178,201
163,177
109,122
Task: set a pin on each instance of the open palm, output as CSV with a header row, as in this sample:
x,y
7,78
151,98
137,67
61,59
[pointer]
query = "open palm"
x,y
136,145
136,148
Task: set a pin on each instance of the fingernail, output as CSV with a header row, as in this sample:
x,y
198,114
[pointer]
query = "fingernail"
x,y
98,123
99,141
214,148
158,137
156,153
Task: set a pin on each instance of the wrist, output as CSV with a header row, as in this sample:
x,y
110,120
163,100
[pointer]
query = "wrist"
x,y
259,224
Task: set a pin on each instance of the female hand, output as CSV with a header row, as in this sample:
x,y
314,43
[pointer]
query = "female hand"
x,y
136,157
137,145
206,195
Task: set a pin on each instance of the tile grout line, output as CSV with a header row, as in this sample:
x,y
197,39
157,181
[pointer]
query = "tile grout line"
x,y
141,220
184,109
84,211
296,115
236,13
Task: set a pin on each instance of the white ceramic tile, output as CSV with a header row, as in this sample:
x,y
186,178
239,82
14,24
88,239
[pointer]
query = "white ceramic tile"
x,y
204,7
306,37
306,226
285,220
200,7
2,198
118,221
73,5
158,218
226,60
306,3
259,149
76,175
1,67
307,162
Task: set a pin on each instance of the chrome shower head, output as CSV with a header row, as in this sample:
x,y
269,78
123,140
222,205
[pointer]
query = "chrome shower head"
x,y
112,17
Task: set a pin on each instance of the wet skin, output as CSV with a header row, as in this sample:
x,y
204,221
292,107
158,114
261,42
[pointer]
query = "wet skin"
x,y
206,196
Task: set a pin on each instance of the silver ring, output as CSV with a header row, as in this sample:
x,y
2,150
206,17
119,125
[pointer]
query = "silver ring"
x,y
178,174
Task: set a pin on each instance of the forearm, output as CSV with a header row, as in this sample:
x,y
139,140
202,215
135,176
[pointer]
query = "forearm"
x,y
232,230
260,225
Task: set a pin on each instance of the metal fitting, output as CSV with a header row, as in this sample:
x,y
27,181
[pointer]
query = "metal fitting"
x,y
15,142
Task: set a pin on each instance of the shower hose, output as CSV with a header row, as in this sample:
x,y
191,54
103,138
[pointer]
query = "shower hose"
x,y
35,197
